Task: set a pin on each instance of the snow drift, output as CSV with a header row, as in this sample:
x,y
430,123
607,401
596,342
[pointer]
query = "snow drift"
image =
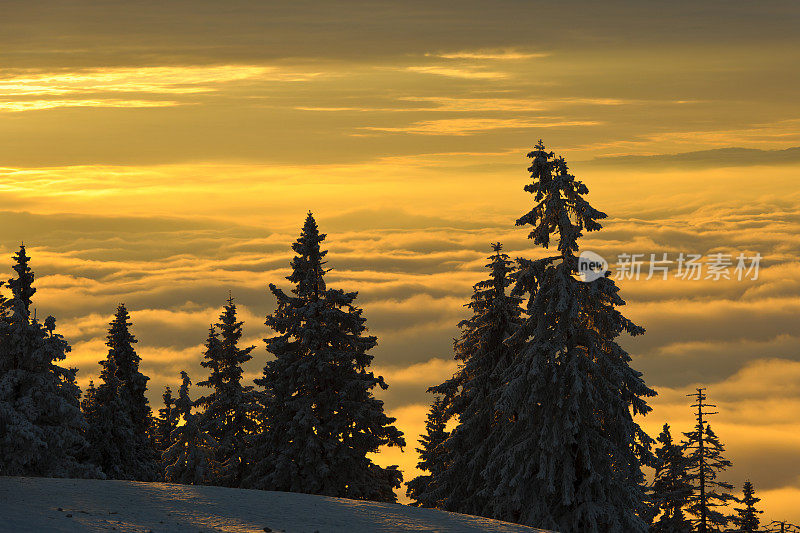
x,y
58,505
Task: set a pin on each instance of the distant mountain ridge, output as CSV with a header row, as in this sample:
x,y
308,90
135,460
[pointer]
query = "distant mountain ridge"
x,y
717,157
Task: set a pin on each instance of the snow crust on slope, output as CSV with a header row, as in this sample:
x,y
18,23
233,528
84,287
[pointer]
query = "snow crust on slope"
x,y
42,504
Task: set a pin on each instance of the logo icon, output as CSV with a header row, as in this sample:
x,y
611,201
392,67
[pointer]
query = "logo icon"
x,y
591,266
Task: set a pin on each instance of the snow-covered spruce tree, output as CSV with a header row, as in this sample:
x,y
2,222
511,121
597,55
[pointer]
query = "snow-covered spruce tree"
x,y
125,401
671,489
747,517
41,424
422,489
322,417
710,497
230,410
166,422
472,394
571,460
190,457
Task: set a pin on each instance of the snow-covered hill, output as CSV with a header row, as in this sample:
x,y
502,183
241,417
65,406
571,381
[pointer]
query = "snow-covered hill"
x,y
40,504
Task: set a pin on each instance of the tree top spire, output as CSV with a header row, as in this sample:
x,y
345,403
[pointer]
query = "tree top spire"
x,y
22,287
560,206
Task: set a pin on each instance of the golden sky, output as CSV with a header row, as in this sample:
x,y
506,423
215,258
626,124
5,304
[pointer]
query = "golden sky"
x,y
162,155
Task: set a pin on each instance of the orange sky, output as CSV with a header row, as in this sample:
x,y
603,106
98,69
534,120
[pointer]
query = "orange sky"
x,y
163,155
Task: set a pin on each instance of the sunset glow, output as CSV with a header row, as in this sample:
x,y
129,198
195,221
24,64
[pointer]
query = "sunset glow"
x,y
167,155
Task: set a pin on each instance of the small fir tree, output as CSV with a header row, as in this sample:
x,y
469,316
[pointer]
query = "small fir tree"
x,y
166,422
110,431
89,401
422,489
230,410
747,517
125,401
190,457
671,489
572,458
706,461
321,417
134,388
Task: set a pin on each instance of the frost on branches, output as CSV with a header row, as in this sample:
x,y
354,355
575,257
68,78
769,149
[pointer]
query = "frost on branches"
x,y
572,459
463,484
230,408
120,416
320,415
41,425
110,432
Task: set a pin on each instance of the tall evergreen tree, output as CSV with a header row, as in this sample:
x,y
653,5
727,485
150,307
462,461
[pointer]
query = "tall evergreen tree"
x,y
422,489
472,394
322,417
124,399
706,462
747,519
572,459
671,489
230,410
190,457
41,425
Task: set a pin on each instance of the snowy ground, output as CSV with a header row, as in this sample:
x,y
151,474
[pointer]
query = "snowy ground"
x,y
40,505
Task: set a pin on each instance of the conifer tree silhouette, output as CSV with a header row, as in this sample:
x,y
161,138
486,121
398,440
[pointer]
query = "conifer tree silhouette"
x,y
230,409
471,396
190,458
572,459
166,422
121,397
321,418
671,489
422,489
747,516
706,461
41,425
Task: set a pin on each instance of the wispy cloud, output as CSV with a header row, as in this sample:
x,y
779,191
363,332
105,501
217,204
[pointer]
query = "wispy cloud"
x,y
450,104
465,72
507,54
37,105
469,126
466,105
159,80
